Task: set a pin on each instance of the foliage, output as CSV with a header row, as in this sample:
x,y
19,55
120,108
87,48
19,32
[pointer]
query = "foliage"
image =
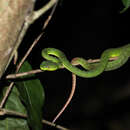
x,y
126,4
32,95
14,123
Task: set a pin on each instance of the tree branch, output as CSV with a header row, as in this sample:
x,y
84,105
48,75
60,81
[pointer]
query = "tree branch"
x,y
14,113
17,75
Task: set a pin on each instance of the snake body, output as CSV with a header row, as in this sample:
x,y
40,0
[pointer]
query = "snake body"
x,y
56,59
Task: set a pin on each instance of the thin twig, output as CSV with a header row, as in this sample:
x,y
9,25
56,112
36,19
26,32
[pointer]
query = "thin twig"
x,y
13,76
69,99
92,60
51,14
14,113
28,52
54,125
41,11
6,95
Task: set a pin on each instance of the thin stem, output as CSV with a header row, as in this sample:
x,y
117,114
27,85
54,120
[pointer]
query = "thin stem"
x,y
93,60
28,52
54,125
6,95
14,113
51,14
69,99
13,76
41,11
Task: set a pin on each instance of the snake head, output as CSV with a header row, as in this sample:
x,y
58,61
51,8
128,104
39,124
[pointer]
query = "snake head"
x,y
49,66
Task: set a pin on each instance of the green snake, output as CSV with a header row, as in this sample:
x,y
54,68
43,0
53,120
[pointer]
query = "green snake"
x,y
56,59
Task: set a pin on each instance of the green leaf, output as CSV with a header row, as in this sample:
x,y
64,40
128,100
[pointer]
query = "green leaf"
x,y
126,3
14,123
32,95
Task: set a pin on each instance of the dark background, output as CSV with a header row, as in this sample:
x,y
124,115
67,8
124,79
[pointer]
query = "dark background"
x,y
85,29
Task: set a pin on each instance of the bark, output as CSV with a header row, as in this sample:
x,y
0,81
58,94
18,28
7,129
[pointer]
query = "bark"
x,y
12,18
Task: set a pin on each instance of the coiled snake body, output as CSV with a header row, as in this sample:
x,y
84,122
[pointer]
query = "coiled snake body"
x,y
56,59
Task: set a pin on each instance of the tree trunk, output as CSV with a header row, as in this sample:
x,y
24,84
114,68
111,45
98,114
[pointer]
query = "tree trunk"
x,y
12,18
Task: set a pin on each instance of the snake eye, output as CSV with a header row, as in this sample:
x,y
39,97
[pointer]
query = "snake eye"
x,y
49,66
